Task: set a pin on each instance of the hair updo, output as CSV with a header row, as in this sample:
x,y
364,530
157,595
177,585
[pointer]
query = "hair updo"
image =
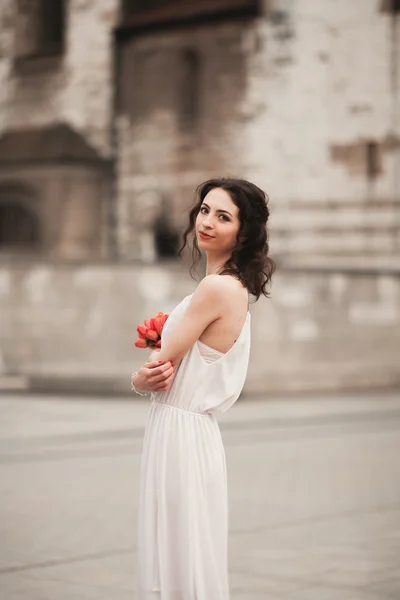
x,y
249,261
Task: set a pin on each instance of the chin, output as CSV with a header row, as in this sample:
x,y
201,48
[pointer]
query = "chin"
x,y
200,240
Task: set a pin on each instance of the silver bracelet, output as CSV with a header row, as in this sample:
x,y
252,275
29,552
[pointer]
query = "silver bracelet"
x,y
134,389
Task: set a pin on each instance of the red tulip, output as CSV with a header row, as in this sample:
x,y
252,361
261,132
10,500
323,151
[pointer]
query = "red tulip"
x,y
141,343
152,335
142,331
159,322
150,332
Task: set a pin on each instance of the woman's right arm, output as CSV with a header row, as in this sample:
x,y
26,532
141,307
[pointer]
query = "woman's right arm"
x,y
154,376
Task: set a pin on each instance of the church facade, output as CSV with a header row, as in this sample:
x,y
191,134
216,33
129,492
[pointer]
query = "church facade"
x,y
111,114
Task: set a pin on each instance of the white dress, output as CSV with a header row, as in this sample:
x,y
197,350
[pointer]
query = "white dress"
x,y
183,504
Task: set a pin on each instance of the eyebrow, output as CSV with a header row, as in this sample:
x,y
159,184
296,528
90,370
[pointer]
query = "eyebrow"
x,y
219,210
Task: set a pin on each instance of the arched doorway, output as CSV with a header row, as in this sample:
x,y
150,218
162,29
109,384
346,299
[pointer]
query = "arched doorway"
x,y
19,224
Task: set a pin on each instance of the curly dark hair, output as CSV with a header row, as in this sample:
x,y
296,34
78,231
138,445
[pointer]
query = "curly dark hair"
x,y
249,261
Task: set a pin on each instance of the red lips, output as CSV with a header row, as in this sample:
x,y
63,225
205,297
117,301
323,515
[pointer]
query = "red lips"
x,y
205,236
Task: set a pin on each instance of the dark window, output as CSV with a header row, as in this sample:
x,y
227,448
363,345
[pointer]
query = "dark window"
x,y
390,6
134,6
19,227
40,28
138,14
51,26
373,162
190,87
166,239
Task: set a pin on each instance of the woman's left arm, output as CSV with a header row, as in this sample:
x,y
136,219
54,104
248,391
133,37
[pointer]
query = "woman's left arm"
x,y
205,307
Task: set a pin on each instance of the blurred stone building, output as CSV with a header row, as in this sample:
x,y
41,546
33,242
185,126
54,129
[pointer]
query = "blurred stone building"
x,y
111,113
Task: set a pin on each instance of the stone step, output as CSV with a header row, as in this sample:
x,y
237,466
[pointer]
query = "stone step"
x,y
339,242
367,262
328,220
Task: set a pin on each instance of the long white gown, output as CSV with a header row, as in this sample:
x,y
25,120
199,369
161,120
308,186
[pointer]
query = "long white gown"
x,y
183,504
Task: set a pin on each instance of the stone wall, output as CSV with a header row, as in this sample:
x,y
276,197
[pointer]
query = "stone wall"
x,y
76,89
323,103
303,101
73,327
70,90
70,203
179,124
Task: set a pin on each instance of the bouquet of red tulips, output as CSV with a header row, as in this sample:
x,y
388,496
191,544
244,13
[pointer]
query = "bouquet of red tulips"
x,y
150,332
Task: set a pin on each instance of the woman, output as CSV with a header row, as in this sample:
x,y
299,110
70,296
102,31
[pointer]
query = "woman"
x,y
183,508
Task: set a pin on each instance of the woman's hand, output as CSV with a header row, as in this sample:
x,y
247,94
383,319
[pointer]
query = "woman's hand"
x,y
154,356
154,377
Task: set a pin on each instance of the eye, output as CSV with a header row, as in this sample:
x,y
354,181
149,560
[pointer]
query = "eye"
x,y
204,211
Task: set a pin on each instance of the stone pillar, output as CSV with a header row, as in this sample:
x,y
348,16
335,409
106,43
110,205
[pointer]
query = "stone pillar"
x,y
146,210
80,212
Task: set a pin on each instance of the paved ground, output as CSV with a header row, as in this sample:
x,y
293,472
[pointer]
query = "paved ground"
x,y
314,490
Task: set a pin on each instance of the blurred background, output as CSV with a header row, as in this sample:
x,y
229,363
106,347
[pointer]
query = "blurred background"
x,y
111,113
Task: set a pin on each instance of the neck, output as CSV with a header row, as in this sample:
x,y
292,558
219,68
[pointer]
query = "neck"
x,y
216,264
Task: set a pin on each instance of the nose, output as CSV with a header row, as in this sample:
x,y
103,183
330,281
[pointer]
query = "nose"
x,y
207,221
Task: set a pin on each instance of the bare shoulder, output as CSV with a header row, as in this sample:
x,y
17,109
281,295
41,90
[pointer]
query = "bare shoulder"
x,y
220,288
210,287
218,284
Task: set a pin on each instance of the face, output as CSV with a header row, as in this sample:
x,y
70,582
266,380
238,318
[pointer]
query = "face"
x,y
219,219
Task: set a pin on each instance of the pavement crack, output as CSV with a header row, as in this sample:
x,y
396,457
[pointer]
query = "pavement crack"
x,y
347,514
65,561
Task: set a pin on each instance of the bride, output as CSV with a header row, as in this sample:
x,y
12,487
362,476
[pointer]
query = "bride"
x,y
199,373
